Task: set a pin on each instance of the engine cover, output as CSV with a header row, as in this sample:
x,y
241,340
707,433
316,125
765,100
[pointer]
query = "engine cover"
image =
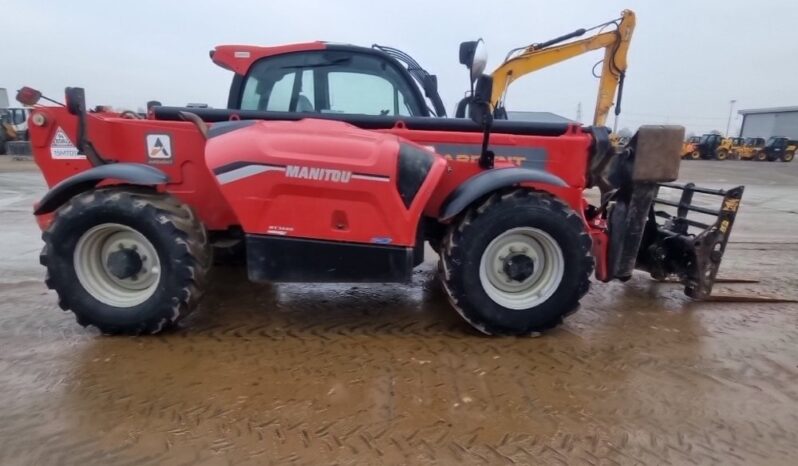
x,y
317,179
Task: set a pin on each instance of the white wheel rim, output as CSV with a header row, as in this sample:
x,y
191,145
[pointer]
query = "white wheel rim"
x,y
91,256
527,291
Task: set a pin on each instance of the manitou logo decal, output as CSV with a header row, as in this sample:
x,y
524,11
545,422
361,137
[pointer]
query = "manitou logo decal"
x,y
240,170
317,174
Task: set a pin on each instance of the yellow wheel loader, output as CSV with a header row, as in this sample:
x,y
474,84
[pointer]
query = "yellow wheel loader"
x,y
724,149
689,151
736,146
750,149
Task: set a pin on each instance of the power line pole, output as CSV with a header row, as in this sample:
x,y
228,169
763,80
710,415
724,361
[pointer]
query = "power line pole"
x,y
728,122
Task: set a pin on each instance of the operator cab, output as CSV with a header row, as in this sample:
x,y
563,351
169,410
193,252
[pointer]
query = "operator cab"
x,y
776,142
710,140
338,79
371,88
366,87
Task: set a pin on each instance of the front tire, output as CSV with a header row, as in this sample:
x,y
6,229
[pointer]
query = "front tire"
x,y
517,263
127,261
787,156
722,154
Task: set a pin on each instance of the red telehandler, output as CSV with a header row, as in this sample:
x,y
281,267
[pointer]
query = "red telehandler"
x,y
329,166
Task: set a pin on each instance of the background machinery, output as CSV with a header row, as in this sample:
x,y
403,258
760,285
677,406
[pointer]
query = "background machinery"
x,y
712,146
776,148
689,148
750,148
737,144
13,128
531,58
724,149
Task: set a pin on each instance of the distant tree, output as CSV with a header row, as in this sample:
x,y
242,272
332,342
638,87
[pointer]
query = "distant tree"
x,y
625,133
714,131
691,134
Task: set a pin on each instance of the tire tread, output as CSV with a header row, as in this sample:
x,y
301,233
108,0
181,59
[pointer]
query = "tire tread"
x,y
186,230
452,254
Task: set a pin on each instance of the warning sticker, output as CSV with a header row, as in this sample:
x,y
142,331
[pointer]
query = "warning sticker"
x,y
159,148
62,148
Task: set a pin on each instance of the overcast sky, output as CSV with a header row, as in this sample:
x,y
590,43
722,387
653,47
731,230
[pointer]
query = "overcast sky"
x,y
688,59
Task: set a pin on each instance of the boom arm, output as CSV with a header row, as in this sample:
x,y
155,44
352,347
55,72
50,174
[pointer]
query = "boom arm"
x,y
537,56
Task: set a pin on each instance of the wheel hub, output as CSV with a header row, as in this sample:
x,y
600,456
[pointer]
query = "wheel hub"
x,y
124,263
117,265
521,268
518,267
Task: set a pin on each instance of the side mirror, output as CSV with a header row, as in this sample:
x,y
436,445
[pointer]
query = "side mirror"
x,y
474,56
479,112
28,96
479,107
75,100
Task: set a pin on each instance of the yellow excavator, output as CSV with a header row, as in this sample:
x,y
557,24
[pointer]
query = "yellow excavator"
x,y
613,36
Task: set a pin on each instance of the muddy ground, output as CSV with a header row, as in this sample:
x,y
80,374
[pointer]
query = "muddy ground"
x,y
389,374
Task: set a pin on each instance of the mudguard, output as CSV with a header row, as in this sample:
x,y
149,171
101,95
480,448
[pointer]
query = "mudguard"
x,y
134,173
489,181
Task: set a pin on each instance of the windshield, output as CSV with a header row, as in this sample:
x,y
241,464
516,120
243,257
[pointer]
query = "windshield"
x,y
329,82
17,115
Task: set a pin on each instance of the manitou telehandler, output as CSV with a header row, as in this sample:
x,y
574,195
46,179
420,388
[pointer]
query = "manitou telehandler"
x,y
329,166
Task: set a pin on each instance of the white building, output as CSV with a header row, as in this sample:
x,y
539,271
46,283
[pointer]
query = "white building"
x,y
767,122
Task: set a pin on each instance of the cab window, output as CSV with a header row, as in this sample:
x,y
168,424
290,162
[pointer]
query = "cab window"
x,y
329,82
367,94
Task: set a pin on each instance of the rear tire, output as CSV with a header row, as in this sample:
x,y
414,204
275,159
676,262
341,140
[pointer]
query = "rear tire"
x,y
128,261
517,263
787,156
695,155
722,154
761,157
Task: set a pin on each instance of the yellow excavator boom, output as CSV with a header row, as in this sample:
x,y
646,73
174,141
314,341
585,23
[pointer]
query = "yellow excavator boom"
x,y
537,56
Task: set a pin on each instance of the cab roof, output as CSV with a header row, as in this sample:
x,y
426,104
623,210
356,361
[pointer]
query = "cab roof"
x,y
238,58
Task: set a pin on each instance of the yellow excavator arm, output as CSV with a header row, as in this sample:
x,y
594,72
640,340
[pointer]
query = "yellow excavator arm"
x,y
537,56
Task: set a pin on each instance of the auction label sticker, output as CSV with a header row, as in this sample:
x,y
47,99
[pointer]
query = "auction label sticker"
x,y
62,148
